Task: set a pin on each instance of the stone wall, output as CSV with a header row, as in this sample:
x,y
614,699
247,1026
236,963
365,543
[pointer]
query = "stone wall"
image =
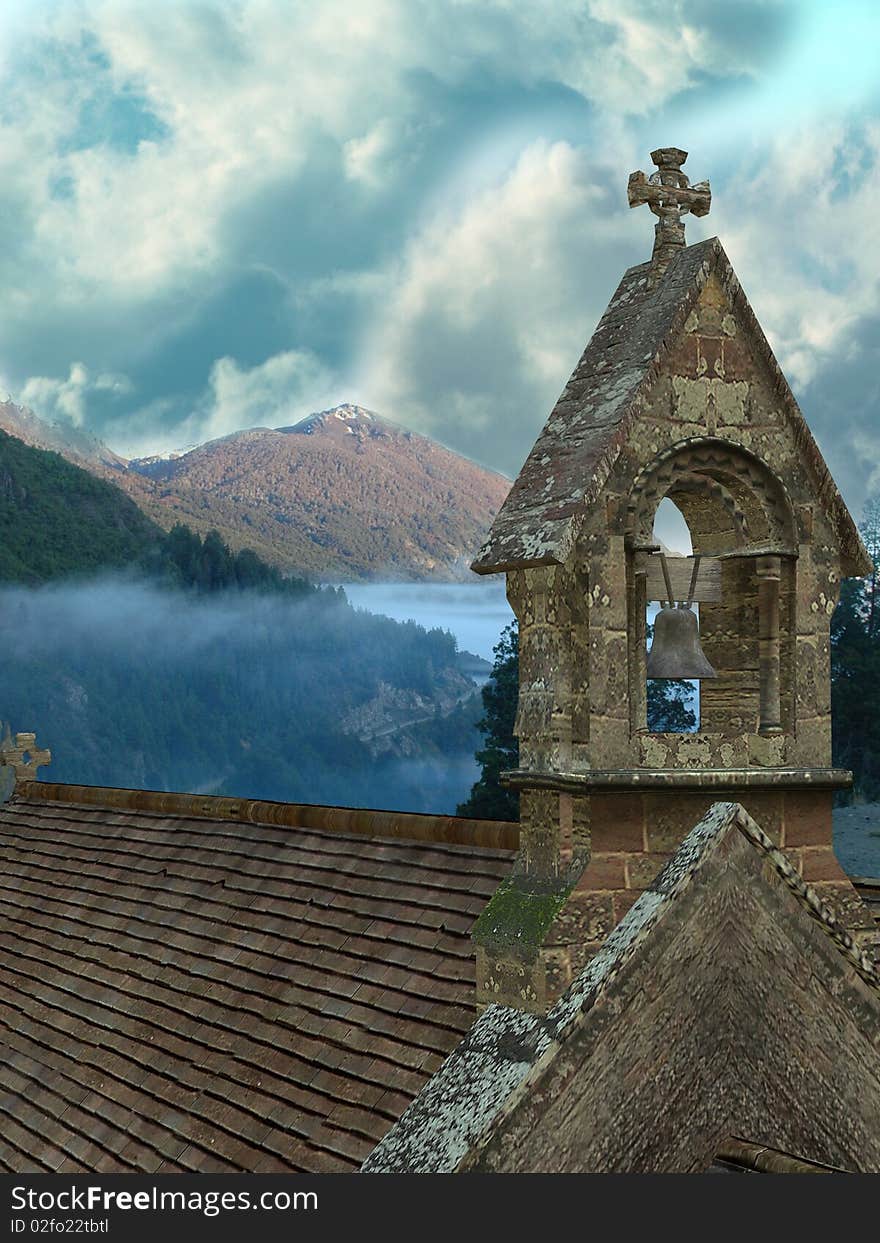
x,y
635,834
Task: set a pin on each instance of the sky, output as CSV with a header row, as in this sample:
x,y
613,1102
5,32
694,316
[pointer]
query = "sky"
x,y
231,213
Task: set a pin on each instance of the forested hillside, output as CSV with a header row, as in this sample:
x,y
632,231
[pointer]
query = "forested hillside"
x,y
57,520
170,662
237,693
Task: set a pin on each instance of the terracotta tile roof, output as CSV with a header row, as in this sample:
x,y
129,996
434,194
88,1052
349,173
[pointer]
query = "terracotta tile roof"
x,y
185,993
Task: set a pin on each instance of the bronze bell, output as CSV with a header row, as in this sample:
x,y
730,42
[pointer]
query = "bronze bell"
x,y
675,651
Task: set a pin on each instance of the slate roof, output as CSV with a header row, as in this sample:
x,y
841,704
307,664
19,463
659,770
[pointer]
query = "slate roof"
x,y
181,993
573,456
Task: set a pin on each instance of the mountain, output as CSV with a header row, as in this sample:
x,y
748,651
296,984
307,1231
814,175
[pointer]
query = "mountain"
x,y
71,442
343,494
203,670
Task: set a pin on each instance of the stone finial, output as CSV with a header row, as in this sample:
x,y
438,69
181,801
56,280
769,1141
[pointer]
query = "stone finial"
x,y
23,756
670,196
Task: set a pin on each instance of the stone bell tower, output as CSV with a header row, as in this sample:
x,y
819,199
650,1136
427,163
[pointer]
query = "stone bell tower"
x,y
677,395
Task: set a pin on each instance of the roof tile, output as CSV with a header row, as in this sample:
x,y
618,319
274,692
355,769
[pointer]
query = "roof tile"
x,y
220,995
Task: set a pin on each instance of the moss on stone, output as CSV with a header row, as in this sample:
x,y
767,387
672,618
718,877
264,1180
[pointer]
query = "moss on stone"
x,y
515,917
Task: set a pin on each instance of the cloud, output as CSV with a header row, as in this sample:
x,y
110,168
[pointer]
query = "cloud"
x,y
490,309
421,201
798,236
275,393
159,121
366,159
281,390
67,400
803,229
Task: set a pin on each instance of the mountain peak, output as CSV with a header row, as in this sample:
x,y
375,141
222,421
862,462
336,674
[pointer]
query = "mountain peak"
x,y
347,418
74,443
344,493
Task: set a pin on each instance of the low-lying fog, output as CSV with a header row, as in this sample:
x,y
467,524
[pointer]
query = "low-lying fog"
x,y
476,612
132,685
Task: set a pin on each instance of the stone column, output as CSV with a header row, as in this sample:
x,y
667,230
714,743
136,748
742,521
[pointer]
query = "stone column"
x,y
543,720
638,642
768,571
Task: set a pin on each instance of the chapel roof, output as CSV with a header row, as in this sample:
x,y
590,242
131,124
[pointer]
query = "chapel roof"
x,y
195,984
575,452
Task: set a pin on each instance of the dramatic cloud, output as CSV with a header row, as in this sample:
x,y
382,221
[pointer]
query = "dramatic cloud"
x,y
279,391
66,400
810,269
219,214
490,308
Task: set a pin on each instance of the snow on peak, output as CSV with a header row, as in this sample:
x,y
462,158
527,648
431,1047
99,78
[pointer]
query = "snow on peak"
x,y
348,411
347,414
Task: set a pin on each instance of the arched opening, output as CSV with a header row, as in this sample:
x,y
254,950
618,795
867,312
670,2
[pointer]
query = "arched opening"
x,y
672,706
741,527
671,530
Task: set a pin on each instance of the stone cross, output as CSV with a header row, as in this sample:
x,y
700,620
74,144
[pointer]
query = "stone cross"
x,y
23,755
670,196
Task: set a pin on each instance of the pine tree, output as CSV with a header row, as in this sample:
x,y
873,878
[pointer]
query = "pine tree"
x,y
668,699
668,711
855,668
489,800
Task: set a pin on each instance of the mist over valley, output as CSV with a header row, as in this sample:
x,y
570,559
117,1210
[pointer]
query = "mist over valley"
x,y
244,694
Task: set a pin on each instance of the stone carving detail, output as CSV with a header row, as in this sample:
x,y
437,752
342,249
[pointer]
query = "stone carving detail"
x,y
23,755
670,196
762,510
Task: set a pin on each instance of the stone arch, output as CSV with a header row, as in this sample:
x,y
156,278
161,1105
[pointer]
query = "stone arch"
x,y
737,509
724,492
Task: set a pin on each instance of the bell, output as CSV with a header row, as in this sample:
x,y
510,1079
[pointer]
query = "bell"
x,y
675,651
